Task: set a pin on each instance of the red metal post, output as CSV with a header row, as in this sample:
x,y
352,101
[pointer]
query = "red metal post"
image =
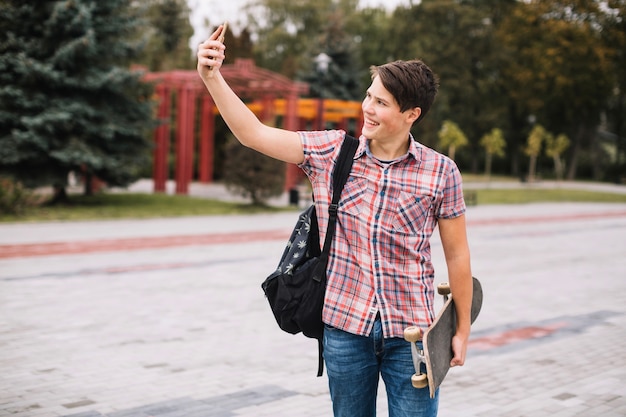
x,y
343,124
268,112
190,130
207,139
162,140
320,122
291,111
359,125
184,139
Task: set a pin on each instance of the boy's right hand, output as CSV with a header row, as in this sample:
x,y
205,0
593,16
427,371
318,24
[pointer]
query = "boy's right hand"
x,y
211,54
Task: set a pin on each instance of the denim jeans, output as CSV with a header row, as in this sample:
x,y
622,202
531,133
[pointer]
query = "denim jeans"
x,y
354,364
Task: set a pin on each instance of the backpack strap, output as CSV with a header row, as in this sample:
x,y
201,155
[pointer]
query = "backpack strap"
x,y
341,172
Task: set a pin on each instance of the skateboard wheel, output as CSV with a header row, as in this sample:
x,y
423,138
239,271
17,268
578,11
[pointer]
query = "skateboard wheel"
x,y
443,288
419,381
412,334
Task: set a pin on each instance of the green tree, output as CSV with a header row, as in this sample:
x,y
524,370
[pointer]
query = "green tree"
x,y
252,174
328,71
369,29
538,135
494,145
451,137
614,34
556,65
284,30
166,33
456,39
67,100
555,147
291,34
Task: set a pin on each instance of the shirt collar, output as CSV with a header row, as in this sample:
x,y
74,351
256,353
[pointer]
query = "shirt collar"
x,y
414,148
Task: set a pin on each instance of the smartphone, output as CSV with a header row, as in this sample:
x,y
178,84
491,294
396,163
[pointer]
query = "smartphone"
x,y
223,33
221,37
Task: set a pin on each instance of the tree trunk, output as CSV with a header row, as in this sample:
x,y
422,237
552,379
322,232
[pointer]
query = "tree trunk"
x,y
531,168
597,154
59,195
576,148
451,151
621,134
88,177
558,167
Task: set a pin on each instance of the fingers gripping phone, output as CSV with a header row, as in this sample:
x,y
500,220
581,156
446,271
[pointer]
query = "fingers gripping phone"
x,y
220,38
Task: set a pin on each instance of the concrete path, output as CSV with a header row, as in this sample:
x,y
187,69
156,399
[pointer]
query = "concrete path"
x,y
166,318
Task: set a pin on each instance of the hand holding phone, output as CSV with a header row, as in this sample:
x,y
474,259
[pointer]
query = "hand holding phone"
x,y
220,38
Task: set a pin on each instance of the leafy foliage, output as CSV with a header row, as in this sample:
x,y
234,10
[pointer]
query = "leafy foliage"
x,y
494,144
502,64
165,34
452,137
555,146
291,34
252,174
14,197
537,137
557,68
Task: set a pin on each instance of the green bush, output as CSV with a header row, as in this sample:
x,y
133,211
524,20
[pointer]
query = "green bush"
x,y
14,197
252,174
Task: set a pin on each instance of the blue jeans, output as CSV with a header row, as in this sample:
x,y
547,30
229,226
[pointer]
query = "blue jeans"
x,y
354,364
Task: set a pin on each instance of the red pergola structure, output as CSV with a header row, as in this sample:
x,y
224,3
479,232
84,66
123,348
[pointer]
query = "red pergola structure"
x,y
248,82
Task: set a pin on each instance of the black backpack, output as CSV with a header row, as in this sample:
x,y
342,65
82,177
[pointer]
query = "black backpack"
x,y
296,289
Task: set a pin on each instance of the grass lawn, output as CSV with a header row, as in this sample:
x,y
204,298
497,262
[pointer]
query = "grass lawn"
x,y
534,195
118,206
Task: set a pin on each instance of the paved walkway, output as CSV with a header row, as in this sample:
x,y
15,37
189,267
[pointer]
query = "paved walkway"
x,y
166,318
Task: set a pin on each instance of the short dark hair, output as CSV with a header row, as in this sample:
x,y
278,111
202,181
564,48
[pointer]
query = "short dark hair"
x,y
412,83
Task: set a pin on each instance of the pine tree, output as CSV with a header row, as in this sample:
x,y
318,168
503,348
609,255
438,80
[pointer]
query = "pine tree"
x,y
68,101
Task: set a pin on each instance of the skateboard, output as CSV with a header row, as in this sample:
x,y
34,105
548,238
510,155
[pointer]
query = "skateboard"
x,y
437,340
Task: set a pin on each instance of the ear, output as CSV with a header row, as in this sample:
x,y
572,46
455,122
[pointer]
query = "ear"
x,y
413,114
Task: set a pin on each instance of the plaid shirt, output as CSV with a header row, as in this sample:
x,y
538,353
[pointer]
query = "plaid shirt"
x,y
380,260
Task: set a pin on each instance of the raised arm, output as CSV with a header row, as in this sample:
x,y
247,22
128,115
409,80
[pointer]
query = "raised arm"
x,y
277,143
456,250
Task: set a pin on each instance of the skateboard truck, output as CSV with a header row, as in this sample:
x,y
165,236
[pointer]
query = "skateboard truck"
x,y
436,353
413,334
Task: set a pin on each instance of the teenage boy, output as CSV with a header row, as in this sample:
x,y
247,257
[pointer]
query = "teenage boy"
x,y
380,274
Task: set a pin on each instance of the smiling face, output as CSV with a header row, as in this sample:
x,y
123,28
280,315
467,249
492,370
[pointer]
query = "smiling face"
x,y
383,120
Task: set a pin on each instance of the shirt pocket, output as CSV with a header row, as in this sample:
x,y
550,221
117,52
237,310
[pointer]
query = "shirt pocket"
x,y
412,213
353,195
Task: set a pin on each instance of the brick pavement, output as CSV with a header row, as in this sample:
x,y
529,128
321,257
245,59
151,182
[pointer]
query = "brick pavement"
x,y
182,329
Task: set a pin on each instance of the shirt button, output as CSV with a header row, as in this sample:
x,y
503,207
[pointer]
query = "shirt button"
x,y
382,193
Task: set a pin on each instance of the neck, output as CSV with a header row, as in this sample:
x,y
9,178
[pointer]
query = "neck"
x,y
388,151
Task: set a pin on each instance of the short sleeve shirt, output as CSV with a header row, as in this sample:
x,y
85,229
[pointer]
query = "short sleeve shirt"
x,y
380,259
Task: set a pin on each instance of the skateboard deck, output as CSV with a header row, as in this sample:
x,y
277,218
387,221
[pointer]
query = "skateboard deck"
x,y
437,341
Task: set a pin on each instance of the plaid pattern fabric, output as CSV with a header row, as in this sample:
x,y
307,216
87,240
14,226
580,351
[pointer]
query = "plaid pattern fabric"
x,y
380,260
